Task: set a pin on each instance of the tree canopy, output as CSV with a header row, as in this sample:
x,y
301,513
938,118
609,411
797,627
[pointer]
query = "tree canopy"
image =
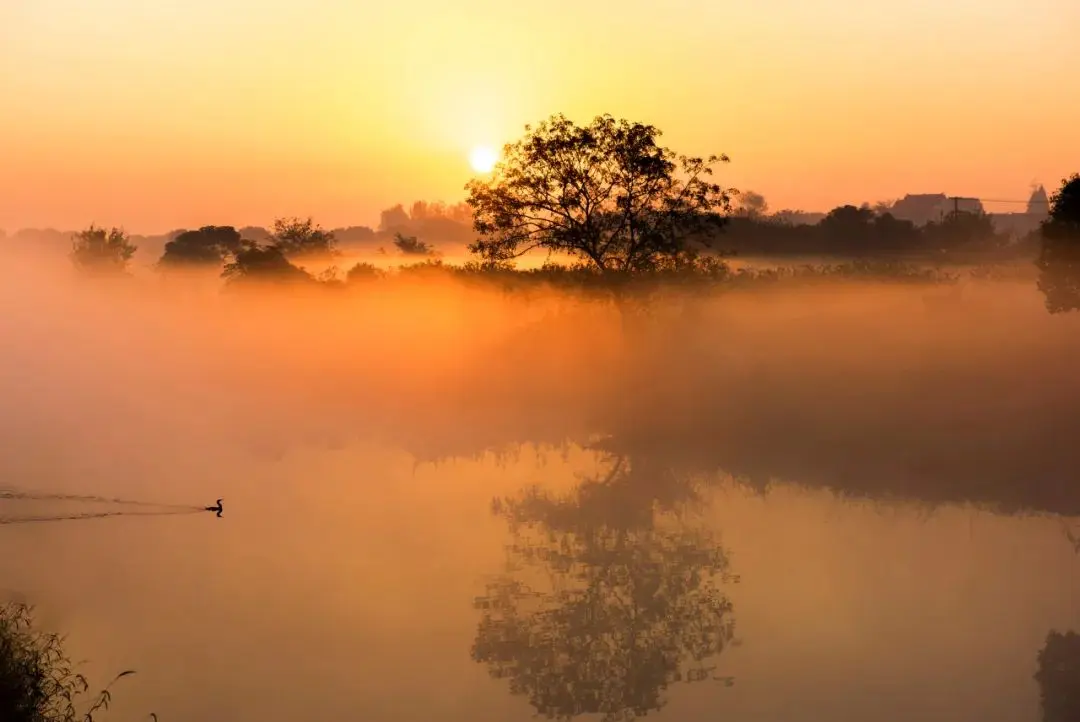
x,y
606,193
208,246
298,238
412,246
1059,254
958,230
101,252
255,263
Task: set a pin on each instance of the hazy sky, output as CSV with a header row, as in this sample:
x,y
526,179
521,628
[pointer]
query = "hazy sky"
x,y
168,113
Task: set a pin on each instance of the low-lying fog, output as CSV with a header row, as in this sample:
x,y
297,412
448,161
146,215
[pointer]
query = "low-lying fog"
x,y
882,472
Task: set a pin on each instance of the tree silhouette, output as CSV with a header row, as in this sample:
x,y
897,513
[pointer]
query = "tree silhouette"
x,y
100,252
412,246
300,238
1058,676
393,219
263,264
751,205
963,230
1059,254
363,272
208,246
847,225
608,599
605,193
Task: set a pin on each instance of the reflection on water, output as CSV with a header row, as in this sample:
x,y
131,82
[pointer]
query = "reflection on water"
x,y
901,551
1059,677
610,597
341,586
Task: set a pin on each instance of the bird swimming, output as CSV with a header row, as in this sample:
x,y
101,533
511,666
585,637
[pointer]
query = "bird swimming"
x,y
217,508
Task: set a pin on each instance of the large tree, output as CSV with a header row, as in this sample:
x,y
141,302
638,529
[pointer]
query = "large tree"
x,y
606,193
1059,256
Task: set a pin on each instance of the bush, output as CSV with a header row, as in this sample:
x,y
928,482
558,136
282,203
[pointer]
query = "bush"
x,y
38,682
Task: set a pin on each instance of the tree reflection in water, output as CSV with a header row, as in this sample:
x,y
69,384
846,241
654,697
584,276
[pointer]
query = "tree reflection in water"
x,y
609,596
1058,677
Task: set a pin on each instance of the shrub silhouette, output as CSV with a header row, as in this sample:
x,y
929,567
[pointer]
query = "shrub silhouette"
x,y
38,682
100,252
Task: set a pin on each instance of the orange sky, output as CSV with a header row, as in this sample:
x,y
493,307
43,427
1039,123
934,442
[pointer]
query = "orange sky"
x,y
174,113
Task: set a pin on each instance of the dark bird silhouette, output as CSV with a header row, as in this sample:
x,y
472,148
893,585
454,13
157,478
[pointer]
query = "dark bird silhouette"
x,y
216,508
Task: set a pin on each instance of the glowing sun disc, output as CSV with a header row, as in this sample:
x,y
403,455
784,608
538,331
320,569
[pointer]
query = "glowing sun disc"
x,y
483,159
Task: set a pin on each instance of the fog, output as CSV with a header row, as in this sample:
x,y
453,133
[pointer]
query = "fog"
x,y
888,467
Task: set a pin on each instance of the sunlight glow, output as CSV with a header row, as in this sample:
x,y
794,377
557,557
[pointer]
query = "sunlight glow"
x,y
483,159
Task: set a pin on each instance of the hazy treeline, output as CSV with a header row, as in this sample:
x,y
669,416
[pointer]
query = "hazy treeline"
x,y
606,204
845,232
605,197
439,225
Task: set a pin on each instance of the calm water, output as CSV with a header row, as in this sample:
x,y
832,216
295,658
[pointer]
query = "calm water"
x,y
354,584
881,581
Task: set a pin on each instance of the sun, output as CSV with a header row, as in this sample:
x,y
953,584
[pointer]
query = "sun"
x,y
483,158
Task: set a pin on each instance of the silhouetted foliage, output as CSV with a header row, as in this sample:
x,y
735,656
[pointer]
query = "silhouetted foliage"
x,y
456,213
606,193
412,246
363,272
632,602
963,231
208,246
263,264
354,234
38,681
393,219
429,269
102,252
256,234
751,205
1059,255
300,238
1058,676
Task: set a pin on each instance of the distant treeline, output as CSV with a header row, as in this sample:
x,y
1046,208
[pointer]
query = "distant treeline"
x,y
438,225
847,232
612,202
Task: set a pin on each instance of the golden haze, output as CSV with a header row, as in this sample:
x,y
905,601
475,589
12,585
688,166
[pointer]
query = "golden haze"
x,y
163,115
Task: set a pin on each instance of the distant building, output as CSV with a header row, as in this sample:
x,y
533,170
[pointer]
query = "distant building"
x,y
1020,224
923,208
1039,203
